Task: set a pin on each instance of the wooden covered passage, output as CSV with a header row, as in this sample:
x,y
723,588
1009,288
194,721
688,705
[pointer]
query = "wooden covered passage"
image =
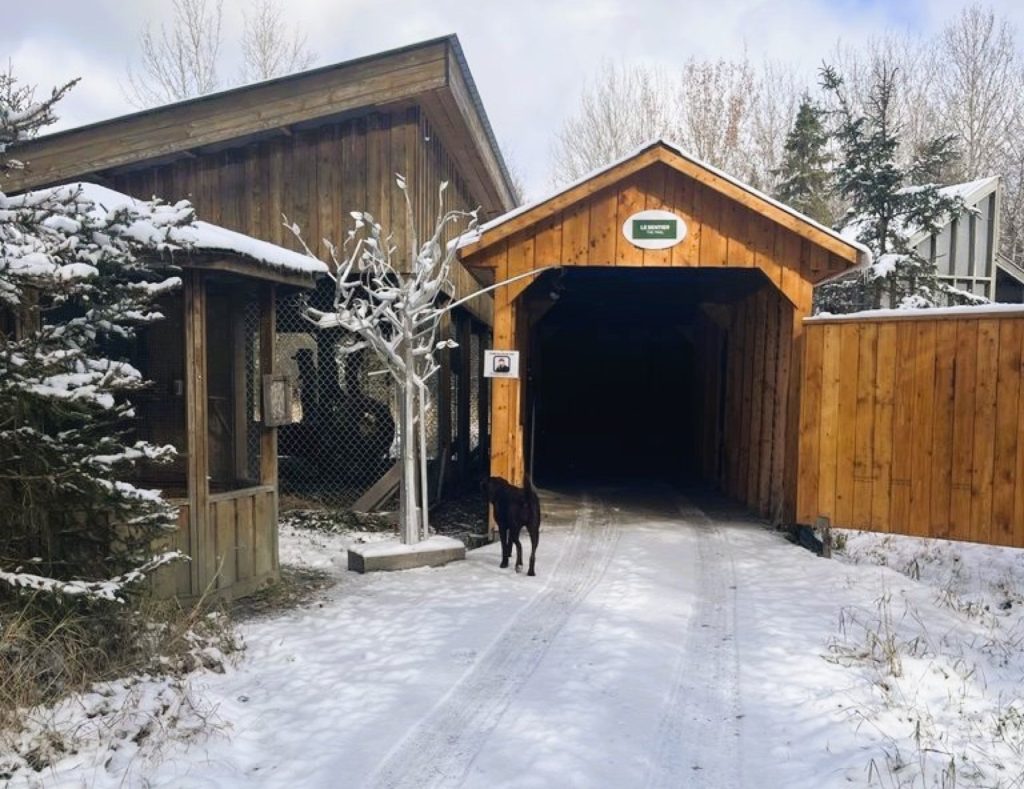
x,y
713,324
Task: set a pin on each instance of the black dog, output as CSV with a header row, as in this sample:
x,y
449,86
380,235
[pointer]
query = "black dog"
x,y
514,508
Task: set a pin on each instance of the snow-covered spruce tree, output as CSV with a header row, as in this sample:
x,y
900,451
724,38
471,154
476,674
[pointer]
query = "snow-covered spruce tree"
x,y
72,293
805,182
888,202
394,308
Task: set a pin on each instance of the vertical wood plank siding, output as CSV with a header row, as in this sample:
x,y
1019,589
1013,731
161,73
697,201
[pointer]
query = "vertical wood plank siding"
x,y
315,177
750,408
744,404
913,426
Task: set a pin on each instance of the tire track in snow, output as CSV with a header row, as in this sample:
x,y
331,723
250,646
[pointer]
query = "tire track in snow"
x,y
440,750
698,735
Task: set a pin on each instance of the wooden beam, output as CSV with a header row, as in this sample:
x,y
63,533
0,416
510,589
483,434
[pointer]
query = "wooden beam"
x,y
381,80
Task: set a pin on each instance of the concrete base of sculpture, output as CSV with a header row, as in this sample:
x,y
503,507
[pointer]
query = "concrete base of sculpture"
x,y
393,555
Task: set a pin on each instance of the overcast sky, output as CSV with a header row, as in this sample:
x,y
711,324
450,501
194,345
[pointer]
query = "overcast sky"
x,y
530,58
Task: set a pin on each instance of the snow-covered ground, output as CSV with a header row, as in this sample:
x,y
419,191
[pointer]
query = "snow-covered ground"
x,y
661,645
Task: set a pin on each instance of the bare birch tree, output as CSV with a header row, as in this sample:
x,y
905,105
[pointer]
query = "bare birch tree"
x,y
707,108
179,60
716,99
624,107
270,48
978,87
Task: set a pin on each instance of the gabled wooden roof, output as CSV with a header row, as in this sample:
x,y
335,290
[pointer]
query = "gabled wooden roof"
x,y
432,74
502,228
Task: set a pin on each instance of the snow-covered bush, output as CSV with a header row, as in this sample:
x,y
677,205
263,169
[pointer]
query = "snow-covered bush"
x,y
73,291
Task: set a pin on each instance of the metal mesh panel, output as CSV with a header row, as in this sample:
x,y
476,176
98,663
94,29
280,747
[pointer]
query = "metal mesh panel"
x,y
344,437
475,366
251,324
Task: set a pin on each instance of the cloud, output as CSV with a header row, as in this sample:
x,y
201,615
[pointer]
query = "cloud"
x,y
530,58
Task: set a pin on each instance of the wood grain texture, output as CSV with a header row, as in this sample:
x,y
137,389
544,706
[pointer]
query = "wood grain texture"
x,y
936,427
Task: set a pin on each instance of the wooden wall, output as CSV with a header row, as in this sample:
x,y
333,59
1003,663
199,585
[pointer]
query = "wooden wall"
x,y
315,177
745,355
236,550
721,232
915,426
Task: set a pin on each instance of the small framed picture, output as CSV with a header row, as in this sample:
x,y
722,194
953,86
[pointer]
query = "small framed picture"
x,y
501,364
277,400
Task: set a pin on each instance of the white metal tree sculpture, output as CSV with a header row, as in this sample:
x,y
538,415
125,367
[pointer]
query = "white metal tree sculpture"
x,y
395,310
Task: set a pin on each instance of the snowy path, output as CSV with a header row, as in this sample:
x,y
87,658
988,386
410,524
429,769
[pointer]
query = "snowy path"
x,y
441,749
661,645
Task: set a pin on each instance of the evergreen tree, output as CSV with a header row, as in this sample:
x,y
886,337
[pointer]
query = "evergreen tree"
x,y
72,292
888,203
804,179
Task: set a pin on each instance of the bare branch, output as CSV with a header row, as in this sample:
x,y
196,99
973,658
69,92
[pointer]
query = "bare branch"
x,y
269,48
180,61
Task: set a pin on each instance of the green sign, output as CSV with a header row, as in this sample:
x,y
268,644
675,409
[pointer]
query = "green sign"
x,y
651,229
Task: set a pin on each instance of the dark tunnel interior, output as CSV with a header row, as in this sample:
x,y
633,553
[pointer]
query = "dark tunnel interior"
x,y
613,393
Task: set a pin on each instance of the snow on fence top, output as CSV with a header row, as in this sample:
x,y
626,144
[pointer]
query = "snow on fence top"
x,y
157,227
923,313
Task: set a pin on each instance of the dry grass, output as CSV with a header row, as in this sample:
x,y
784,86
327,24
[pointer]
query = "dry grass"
x,y
50,650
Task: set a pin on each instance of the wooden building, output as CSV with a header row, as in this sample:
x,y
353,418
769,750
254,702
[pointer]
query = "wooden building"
x,y
965,248
313,147
678,360
210,364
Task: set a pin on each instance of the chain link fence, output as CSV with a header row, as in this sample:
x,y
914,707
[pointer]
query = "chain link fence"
x,y
344,435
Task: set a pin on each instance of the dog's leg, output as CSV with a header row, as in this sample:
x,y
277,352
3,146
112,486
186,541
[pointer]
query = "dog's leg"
x,y
519,549
506,544
534,539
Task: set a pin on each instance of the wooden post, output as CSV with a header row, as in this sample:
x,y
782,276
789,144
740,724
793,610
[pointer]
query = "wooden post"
x,y
268,435
462,406
197,429
240,406
444,406
483,401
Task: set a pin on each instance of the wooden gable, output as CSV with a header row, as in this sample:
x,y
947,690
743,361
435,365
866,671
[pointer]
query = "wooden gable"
x,y
728,225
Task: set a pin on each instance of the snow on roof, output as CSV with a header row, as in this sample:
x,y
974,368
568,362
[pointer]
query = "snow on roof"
x,y
468,239
156,227
969,191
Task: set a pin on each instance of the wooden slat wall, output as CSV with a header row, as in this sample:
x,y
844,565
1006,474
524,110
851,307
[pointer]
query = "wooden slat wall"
x,y
238,548
915,426
720,233
317,176
745,403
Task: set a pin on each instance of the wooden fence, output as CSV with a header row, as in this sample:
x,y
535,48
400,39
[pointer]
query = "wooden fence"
x,y
236,547
915,425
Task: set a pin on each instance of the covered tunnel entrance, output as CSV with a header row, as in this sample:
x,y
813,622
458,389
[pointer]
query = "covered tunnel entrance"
x,y
674,375
616,387
657,309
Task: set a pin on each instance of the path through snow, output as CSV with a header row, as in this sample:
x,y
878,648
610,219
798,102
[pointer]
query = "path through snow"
x,y
663,644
